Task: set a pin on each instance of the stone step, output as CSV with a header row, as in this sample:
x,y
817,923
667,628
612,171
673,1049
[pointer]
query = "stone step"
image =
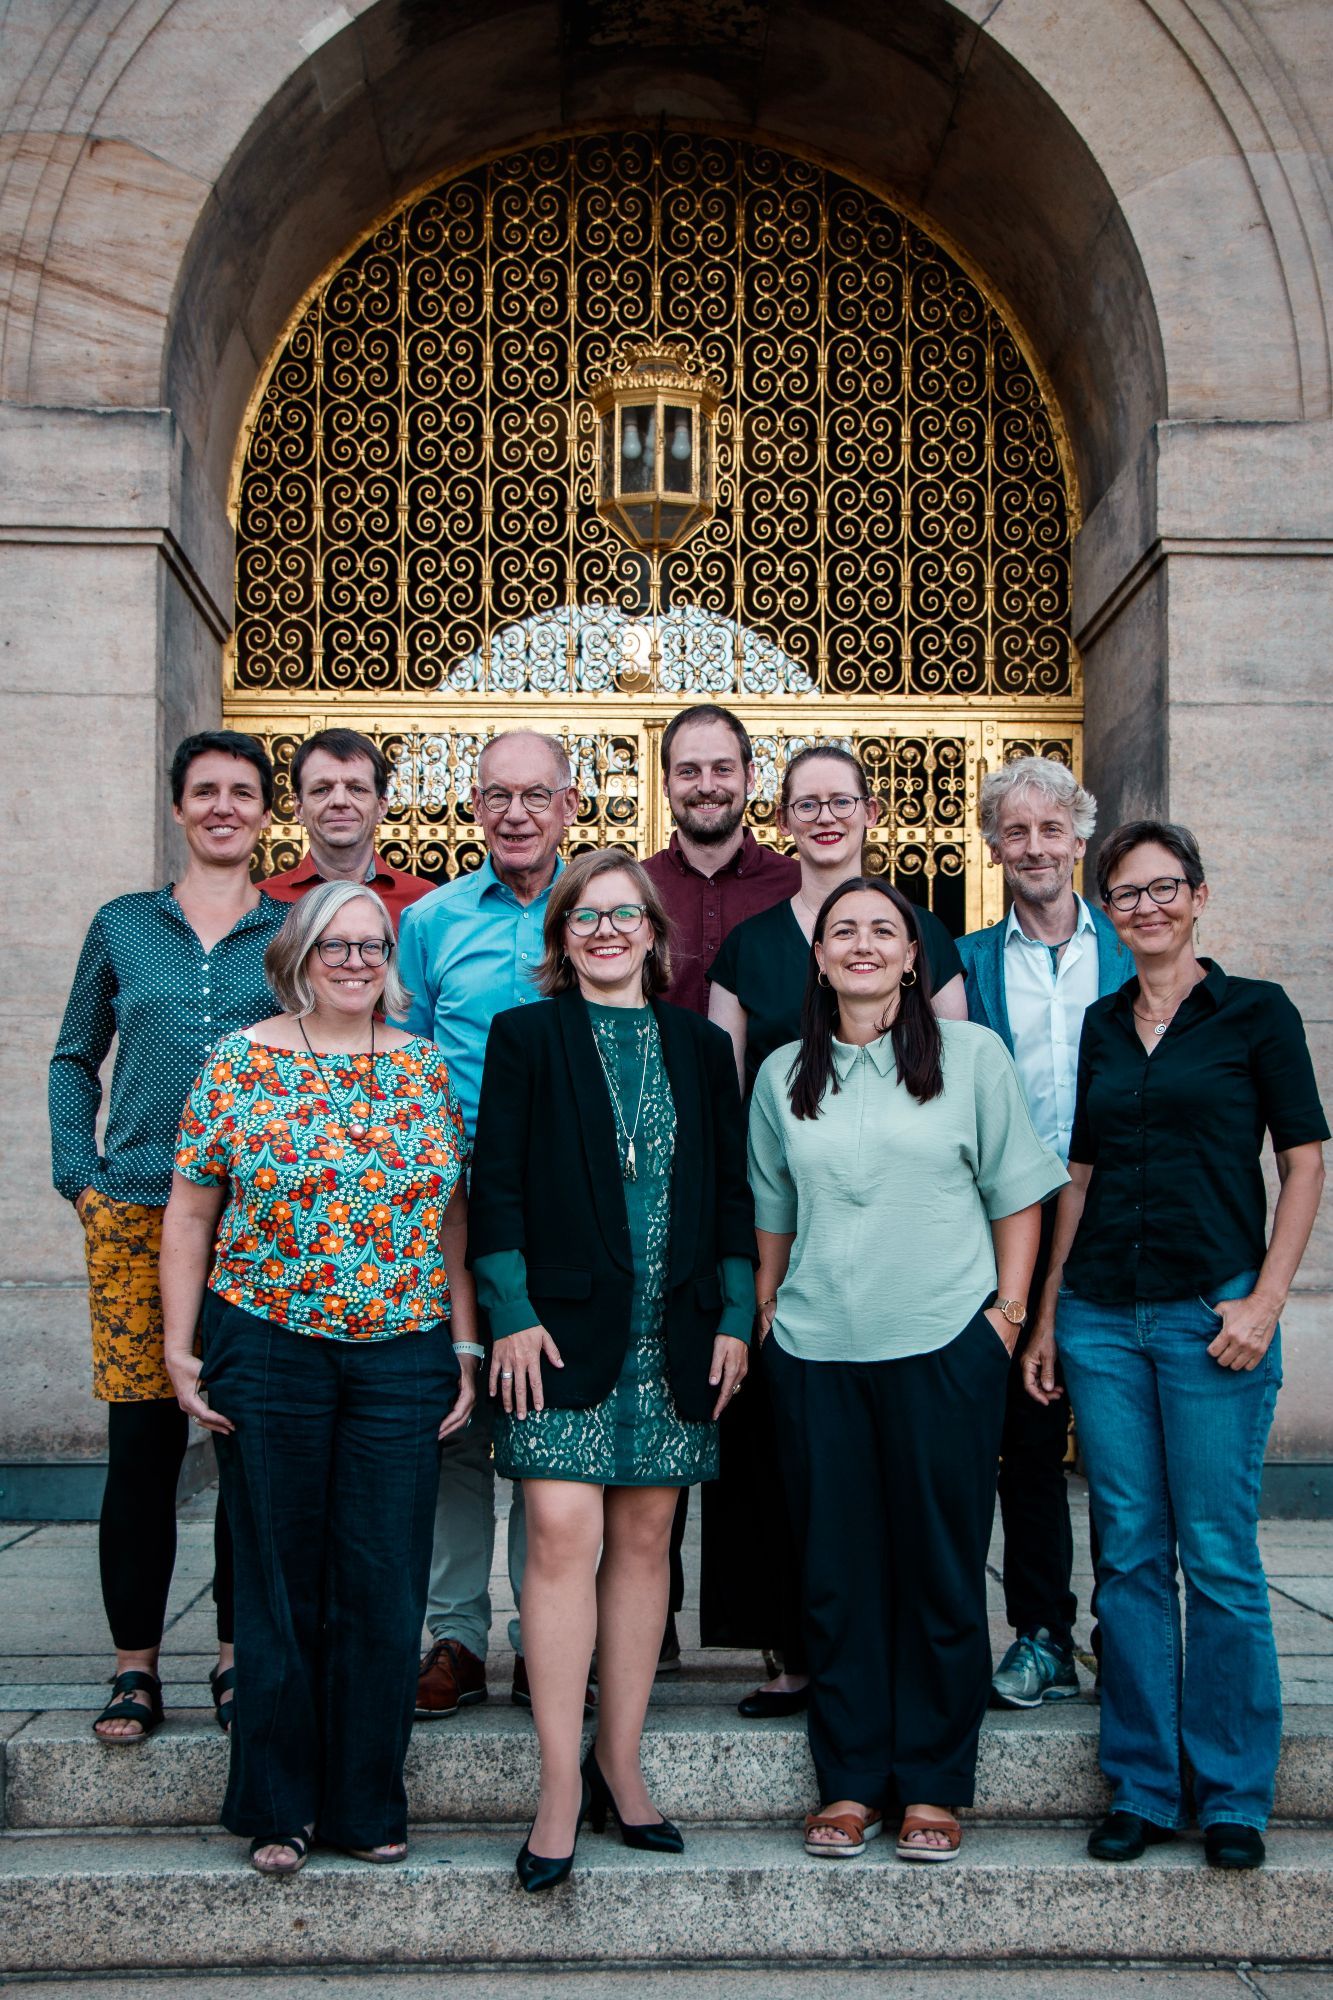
x,y
703,1764
724,1982
112,1902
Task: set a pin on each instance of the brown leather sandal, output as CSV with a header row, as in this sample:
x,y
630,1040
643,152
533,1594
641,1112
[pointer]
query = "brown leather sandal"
x,y
908,1851
855,1828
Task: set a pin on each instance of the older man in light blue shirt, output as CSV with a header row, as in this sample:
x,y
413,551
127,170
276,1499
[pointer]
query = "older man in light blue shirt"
x,y
466,952
1031,977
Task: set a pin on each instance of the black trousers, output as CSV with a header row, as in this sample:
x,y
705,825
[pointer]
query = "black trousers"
x,y
1034,1494
330,1478
749,1574
893,1466
136,1540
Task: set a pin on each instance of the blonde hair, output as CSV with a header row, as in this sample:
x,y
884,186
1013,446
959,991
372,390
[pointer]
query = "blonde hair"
x,y
555,974
287,956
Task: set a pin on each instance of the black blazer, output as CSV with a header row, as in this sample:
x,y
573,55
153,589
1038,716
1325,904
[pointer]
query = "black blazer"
x,y
547,1180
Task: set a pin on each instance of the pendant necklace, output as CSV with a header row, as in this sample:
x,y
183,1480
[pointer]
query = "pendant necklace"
x,y
629,1168
1161,1020
356,1127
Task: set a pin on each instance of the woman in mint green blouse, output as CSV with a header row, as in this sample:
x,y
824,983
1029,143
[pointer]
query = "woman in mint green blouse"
x,y
612,1239
897,1181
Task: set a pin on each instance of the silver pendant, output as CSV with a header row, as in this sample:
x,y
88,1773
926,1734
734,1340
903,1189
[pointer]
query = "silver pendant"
x,y
631,1172
1160,1028
356,1129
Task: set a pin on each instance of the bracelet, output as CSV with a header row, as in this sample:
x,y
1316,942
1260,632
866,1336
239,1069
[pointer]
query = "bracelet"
x,y
470,1347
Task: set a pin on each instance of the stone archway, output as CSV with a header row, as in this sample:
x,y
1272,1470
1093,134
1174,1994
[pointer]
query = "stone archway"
x,y
1141,180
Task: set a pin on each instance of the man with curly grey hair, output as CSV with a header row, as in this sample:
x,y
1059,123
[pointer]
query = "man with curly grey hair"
x,y
1030,977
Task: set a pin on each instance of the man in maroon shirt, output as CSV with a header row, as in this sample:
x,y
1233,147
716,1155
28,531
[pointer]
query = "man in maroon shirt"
x,y
713,872
340,781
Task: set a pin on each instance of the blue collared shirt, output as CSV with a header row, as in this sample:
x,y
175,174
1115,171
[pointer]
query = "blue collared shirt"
x,y
466,952
1046,1000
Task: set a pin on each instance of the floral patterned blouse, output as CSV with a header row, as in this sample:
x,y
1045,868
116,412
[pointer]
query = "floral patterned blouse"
x,y
329,1231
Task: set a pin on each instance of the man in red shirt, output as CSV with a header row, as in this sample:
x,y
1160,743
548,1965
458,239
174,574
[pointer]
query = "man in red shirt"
x,y
713,872
340,781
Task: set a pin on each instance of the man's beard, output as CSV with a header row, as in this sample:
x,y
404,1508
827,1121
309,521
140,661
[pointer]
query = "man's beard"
x,y
1025,889
712,831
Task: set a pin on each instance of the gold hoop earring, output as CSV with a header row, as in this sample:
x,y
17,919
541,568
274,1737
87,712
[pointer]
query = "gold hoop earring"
x,y
909,977
822,977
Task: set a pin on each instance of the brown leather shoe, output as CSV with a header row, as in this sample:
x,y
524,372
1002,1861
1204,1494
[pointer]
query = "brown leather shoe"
x,y
521,1692
451,1678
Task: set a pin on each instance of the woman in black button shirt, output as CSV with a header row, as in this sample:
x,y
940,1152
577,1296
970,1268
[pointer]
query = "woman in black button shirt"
x,y
1163,1298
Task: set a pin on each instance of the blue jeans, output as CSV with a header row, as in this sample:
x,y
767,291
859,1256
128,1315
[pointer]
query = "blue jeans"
x,y
1174,1446
330,1479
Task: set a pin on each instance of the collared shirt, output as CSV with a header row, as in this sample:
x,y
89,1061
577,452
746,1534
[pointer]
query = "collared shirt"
x,y
466,952
1046,1002
891,1201
1176,1203
145,981
395,888
704,908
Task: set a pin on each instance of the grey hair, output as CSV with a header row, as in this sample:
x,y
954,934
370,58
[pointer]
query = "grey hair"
x,y
559,754
1036,774
287,956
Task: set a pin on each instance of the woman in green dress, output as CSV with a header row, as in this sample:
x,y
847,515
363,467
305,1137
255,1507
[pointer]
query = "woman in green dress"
x,y
612,1238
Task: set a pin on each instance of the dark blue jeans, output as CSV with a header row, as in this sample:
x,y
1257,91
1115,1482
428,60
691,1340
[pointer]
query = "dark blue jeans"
x,y
329,1479
1174,1446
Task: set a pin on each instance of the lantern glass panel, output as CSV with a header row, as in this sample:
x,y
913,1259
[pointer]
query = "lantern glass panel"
x,y
637,442
642,523
678,459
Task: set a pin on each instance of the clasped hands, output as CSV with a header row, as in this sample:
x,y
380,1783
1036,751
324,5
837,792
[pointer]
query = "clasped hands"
x,y
516,1369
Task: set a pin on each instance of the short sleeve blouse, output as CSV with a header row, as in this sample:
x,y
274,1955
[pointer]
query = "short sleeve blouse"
x,y
327,1233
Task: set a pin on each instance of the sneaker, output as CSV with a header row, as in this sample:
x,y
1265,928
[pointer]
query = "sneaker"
x,y
451,1678
1033,1671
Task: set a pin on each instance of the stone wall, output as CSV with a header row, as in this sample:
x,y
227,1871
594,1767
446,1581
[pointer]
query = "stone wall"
x,y
1144,180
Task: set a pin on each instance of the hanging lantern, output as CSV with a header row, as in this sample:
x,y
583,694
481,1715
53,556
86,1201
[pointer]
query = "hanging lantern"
x,y
656,413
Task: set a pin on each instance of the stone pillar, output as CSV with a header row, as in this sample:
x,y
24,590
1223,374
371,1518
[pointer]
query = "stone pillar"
x,y
1205,614
111,586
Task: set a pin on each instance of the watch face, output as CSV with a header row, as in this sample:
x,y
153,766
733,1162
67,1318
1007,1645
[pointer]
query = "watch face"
x,y
1013,1312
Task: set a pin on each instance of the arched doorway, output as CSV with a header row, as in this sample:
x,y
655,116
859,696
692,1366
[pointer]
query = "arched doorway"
x,y
420,554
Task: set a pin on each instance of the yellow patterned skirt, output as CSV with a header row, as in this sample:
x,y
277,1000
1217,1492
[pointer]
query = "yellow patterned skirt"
x,y
121,1241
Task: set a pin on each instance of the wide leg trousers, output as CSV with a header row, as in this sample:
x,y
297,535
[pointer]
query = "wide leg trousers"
x,y
892,1468
330,1478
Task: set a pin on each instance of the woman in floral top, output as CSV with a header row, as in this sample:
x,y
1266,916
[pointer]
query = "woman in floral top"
x,y
325,1152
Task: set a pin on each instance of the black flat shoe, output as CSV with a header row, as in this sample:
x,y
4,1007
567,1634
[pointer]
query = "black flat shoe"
x,y
764,1704
1226,1844
1122,1836
659,1836
544,1871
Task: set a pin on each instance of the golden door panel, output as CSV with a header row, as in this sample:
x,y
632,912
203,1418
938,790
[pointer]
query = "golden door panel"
x,y
888,561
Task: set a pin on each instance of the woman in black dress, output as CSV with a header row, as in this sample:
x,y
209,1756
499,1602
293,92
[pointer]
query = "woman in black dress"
x,y
748,1593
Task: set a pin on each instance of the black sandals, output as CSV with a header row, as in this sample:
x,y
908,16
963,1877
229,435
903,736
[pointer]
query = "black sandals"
x,y
222,1680
299,1843
123,1708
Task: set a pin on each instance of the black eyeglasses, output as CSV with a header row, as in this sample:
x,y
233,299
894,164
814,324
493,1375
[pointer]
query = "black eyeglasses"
x,y
625,917
536,799
842,806
337,951
1127,895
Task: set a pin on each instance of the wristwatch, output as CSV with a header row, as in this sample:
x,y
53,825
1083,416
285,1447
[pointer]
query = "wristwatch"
x,y
1014,1311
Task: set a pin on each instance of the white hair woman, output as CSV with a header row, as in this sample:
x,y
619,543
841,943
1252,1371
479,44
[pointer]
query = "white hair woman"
x,y
325,1153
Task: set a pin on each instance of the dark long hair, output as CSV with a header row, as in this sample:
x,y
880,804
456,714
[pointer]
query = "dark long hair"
x,y
917,1044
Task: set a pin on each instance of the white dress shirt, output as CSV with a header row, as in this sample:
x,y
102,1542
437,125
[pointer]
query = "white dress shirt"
x,y
1046,1004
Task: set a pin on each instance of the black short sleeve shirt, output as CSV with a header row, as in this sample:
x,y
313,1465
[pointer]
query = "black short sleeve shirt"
x,y
1177,1202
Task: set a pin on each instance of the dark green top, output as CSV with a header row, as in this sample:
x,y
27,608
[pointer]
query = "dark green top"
x,y
145,981
765,961
1176,1204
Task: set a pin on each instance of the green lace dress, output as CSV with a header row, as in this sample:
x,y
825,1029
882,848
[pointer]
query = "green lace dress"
x,y
635,1436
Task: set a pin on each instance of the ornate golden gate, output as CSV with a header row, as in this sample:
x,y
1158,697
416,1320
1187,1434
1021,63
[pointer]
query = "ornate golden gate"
x,y
420,552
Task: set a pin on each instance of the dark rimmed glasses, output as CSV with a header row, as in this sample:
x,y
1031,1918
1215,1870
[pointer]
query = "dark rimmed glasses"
x,y
842,806
337,951
1127,896
625,918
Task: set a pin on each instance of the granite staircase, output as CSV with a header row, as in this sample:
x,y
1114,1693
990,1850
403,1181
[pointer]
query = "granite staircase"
x,y
111,1860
